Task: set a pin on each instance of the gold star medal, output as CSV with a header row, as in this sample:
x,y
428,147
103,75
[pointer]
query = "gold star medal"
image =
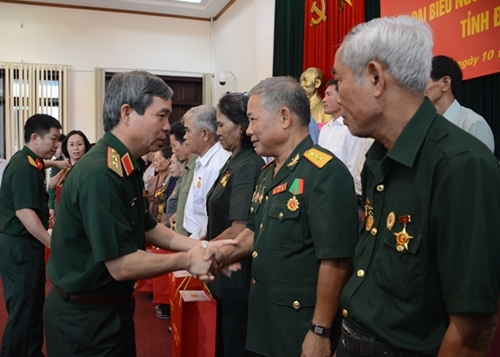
x,y
198,184
293,204
403,238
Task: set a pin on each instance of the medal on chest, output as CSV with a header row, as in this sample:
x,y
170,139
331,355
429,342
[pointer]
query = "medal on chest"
x,y
225,178
367,216
198,184
403,238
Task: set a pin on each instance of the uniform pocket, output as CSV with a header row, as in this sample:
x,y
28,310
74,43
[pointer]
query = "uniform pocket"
x,y
285,227
291,314
400,272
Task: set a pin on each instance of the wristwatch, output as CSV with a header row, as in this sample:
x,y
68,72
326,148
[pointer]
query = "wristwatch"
x,y
321,330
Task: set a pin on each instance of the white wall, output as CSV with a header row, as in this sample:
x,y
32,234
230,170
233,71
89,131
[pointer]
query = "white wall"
x,y
87,39
244,44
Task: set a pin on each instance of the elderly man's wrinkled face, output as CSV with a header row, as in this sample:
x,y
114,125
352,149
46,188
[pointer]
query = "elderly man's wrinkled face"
x,y
263,127
194,136
355,96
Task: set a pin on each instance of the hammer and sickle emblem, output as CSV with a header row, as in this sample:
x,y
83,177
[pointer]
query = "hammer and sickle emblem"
x,y
320,12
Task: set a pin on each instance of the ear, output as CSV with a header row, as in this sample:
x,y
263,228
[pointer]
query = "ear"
x,y
125,112
377,77
34,137
205,134
285,117
445,83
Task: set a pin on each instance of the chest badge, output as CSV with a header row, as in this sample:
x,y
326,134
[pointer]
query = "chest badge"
x,y
391,220
368,215
280,188
198,184
293,204
403,238
225,178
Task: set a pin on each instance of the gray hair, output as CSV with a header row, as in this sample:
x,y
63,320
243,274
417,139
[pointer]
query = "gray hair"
x,y
137,89
278,92
402,43
205,117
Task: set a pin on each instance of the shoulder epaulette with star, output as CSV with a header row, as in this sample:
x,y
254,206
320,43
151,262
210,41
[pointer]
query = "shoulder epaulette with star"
x,y
317,158
36,163
114,161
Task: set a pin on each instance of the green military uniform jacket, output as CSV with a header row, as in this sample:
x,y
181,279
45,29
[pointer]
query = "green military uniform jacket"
x,y
23,186
102,215
229,200
304,214
429,240
187,179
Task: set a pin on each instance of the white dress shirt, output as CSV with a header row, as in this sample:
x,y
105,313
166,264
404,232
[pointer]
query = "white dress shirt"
x,y
205,173
350,149
471,122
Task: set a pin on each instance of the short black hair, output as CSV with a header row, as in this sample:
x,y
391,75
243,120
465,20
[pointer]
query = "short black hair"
x,y
446,66
234,107
86,142
331,82
39,124
178,130
166,152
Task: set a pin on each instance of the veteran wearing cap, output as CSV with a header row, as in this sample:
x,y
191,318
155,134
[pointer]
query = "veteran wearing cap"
x,y
103,222
426,269
302,228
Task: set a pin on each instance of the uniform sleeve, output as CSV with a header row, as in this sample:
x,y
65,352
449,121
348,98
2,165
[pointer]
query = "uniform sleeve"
x,y
26,184
107,216
51,191
242,190
333,215
464,225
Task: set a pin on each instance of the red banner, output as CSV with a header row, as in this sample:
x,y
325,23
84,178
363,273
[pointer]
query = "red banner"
x,y
326,22
467,30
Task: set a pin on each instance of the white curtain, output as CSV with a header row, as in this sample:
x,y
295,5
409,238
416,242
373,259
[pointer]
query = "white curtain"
x,y
32,89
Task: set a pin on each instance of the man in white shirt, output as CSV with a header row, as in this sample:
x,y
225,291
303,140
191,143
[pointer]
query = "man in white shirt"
x,y
335,136
442,89
201,139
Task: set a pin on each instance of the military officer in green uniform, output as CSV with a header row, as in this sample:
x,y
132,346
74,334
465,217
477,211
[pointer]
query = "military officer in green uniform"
x,y
426,268
103,222
228,208
25,217
301,230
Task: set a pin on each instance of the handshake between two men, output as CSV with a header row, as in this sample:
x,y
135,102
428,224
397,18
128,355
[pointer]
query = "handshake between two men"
x,y
209,257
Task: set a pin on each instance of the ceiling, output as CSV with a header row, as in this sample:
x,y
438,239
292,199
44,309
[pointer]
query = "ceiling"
x,y
204,10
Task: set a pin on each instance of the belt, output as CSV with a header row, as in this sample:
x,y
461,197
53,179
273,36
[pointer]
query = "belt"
x,y
367,346
95,299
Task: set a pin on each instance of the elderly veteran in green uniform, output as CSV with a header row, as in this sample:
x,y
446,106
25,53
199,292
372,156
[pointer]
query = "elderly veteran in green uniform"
x,y
103,222
25,218
426,268
301,231
228,207
189,159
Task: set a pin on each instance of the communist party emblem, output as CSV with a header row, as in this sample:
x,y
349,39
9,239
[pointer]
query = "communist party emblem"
x,y
321,13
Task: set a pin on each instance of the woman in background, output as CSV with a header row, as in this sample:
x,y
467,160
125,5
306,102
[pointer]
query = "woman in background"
x,y
228,206
162,184
74,146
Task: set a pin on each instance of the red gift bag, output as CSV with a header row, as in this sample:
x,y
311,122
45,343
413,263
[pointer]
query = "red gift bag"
x,y
193,320
161,284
